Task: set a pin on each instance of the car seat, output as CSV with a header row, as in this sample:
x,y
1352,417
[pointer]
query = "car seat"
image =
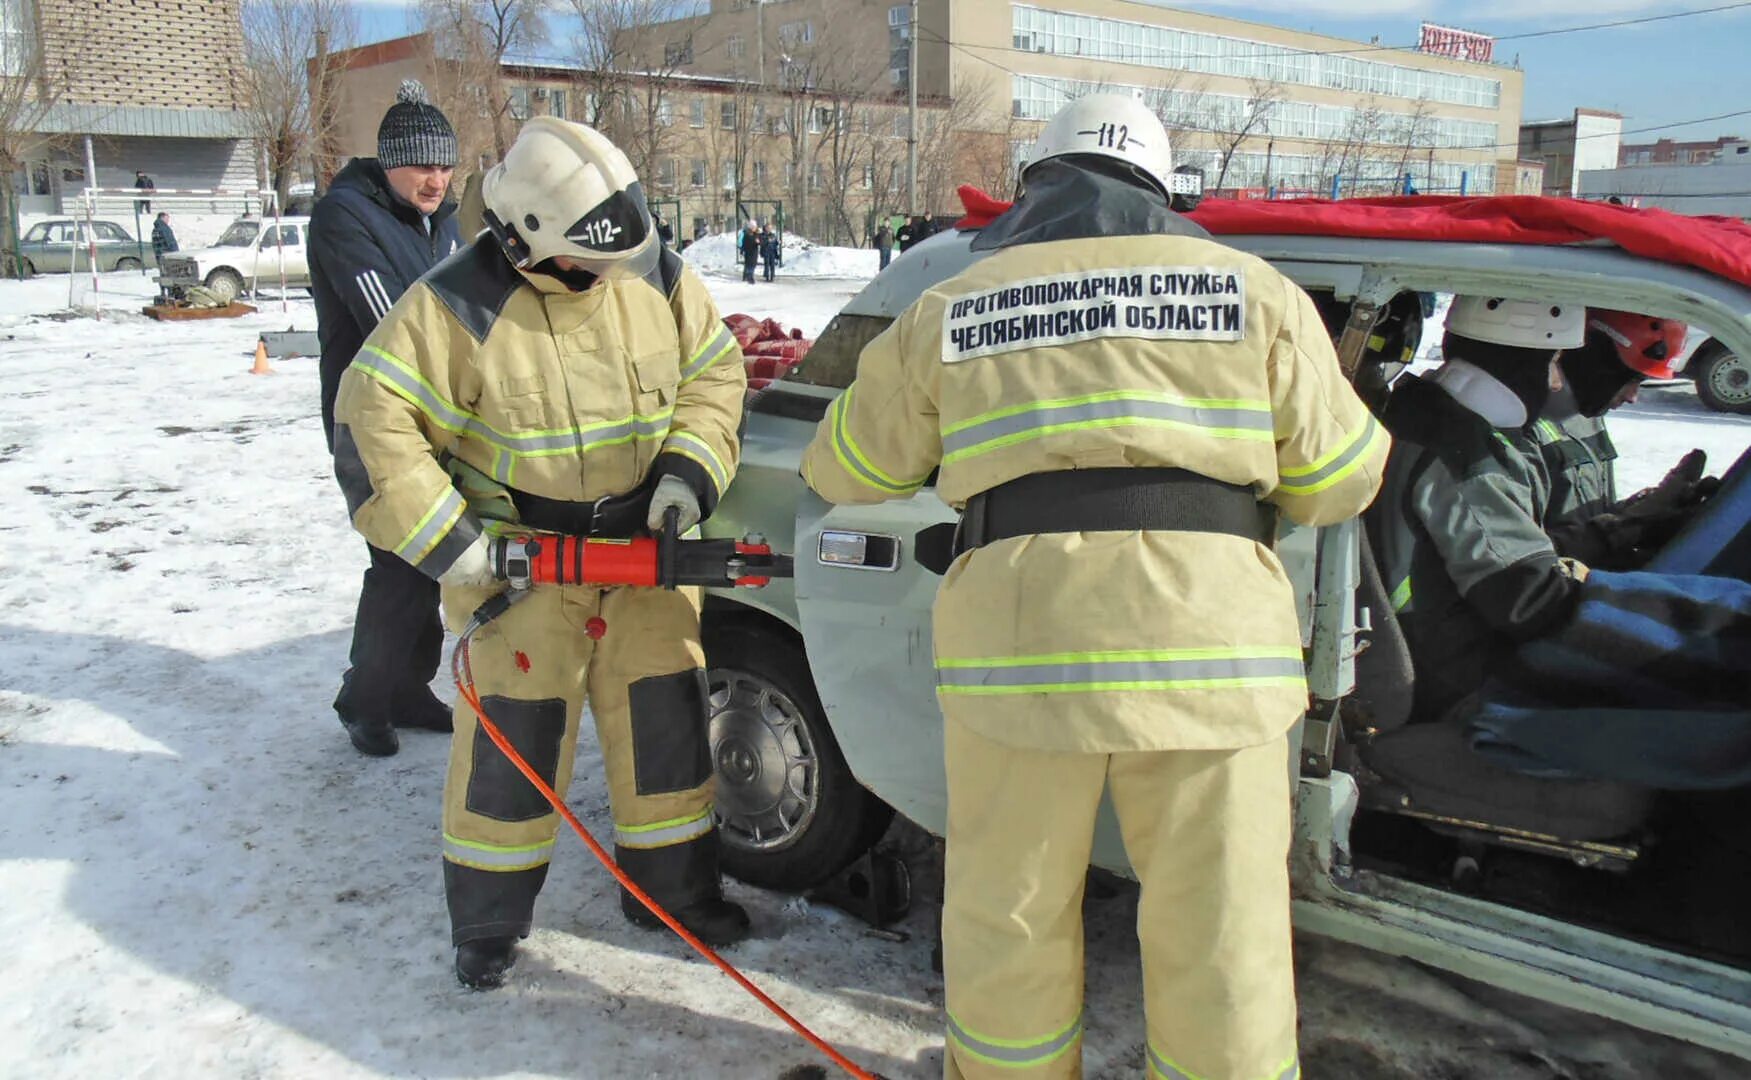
x,y
1429,772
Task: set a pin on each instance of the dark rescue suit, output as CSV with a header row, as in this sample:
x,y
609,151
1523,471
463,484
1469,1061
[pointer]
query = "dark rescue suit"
x,y
492,399
1110,395
1459,534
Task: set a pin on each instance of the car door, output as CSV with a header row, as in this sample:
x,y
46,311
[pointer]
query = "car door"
x,y
297,254
57,250
864,593
114,244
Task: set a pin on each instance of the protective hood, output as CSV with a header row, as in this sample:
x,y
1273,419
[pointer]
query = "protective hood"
x,y
1078,198
1525,373
1596,375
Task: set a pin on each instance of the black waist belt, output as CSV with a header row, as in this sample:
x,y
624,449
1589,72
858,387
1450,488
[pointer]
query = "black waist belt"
x,y
615,516
1114,500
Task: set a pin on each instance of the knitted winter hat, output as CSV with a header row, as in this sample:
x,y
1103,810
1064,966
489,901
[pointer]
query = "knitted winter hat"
x,y
414,131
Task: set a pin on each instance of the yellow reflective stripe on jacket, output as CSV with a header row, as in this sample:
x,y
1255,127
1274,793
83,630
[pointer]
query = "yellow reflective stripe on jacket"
x,y
1161,669
664,833
405,381
496,857
708,355
1401,596
431,529
1015,1053
1216,417
698,450
1162,1067
851,457
1338,463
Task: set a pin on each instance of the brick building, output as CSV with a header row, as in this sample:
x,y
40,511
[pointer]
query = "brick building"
x,y
137,84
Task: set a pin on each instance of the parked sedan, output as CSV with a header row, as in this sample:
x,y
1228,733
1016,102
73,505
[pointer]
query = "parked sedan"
x,y
252,253
63,244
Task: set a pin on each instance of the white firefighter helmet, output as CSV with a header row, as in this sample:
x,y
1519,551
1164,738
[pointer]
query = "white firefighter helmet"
x,y
1108,125
565,190
1523,324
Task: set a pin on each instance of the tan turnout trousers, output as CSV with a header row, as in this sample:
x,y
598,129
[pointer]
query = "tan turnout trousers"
x,y
534,669
1207,832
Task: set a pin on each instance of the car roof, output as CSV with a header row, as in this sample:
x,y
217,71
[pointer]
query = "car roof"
x,y
1597,274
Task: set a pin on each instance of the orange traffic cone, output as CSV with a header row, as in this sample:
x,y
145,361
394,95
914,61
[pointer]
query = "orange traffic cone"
x,y
262,367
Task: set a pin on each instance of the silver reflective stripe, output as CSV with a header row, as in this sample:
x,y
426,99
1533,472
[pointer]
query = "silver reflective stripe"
x,y
1160,1066
1112,411
664,833
851,458
1121,674
1014,1053
399,377
696,449
1314,480
432,528
492,857
708,355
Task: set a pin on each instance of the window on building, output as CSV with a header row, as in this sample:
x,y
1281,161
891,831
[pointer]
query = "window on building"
x,y
899,15
759,174
734,47
727,115
696,173
519,103
868,177
902,125
820,119
17,39
696,112
665,110
728,179
817,176
797,33
678,53
666,173
557,102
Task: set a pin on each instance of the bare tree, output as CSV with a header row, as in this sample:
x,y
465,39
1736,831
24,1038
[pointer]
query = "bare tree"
x,y
1253,117
628,80
471,40
1410,133
35,80
1346,155
287,100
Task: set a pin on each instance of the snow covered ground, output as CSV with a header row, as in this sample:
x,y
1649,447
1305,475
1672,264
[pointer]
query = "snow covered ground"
x,y
200,877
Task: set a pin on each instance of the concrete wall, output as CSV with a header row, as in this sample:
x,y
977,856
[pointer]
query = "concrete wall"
x,y
1596,141
1683,189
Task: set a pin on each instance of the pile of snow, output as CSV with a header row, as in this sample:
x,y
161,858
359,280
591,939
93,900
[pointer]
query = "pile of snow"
x,y
716,254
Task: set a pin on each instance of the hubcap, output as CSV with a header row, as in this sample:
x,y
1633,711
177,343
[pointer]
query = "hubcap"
x,y
768,786
1731,381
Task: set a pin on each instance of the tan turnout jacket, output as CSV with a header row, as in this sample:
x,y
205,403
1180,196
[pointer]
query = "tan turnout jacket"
x,y
572,396
1142,351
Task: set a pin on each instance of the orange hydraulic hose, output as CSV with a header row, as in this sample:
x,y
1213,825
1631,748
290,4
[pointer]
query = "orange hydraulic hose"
x,y
464,676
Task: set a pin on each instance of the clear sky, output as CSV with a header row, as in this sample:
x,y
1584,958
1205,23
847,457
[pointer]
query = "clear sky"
x,y
1656,74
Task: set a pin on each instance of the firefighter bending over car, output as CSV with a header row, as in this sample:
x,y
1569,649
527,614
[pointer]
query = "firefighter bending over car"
x,y
1121,405
564,373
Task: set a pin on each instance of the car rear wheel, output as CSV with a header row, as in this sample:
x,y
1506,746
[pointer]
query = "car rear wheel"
x,y
790,814
29,268
226,285
1723,380
127,262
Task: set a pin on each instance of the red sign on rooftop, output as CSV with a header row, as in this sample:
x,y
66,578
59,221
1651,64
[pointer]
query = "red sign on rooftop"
x,y
1459,44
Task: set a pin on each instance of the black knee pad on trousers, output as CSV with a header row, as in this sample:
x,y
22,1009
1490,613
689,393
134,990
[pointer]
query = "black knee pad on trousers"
x,y
670,750
495,788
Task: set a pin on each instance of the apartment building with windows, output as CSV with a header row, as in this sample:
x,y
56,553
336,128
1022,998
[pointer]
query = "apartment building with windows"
x,y
710,150
148,85
1255,105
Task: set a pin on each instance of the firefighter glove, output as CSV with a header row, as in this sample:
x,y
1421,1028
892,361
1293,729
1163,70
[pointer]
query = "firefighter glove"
x,y
472,568
676,492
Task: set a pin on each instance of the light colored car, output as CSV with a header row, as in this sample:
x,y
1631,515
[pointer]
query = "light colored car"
x,y
252,253
61,245
824,720
1722,376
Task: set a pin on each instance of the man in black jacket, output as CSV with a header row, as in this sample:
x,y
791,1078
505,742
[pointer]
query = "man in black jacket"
x,y
383,223
163,239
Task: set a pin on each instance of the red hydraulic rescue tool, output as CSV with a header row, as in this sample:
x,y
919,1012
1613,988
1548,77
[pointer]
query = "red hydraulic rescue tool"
x,y
664,561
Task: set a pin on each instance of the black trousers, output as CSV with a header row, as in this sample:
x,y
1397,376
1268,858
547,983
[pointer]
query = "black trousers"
x,y
398,640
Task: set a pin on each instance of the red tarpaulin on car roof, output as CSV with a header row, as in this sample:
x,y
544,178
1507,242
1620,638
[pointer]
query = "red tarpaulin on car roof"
x,y
1718,245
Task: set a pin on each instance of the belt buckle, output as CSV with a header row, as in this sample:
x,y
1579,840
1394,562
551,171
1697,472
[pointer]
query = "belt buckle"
x,y
596,515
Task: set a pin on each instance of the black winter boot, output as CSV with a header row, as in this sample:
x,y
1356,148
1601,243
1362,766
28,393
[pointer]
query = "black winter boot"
x,y
716,921
422,709
481,964
373,738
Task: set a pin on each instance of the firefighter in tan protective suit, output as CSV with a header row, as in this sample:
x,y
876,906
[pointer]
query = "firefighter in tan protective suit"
x,y
1120,405
563,373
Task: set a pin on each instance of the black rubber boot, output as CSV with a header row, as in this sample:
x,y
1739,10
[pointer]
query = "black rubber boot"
x,y
716,922
481,964
375,739
421,709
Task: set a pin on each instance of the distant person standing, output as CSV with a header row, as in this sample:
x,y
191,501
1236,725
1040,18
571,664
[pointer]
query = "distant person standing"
x,y
163,239
142,182
884,244
665,231
770,253
750,245
907,235
384,222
